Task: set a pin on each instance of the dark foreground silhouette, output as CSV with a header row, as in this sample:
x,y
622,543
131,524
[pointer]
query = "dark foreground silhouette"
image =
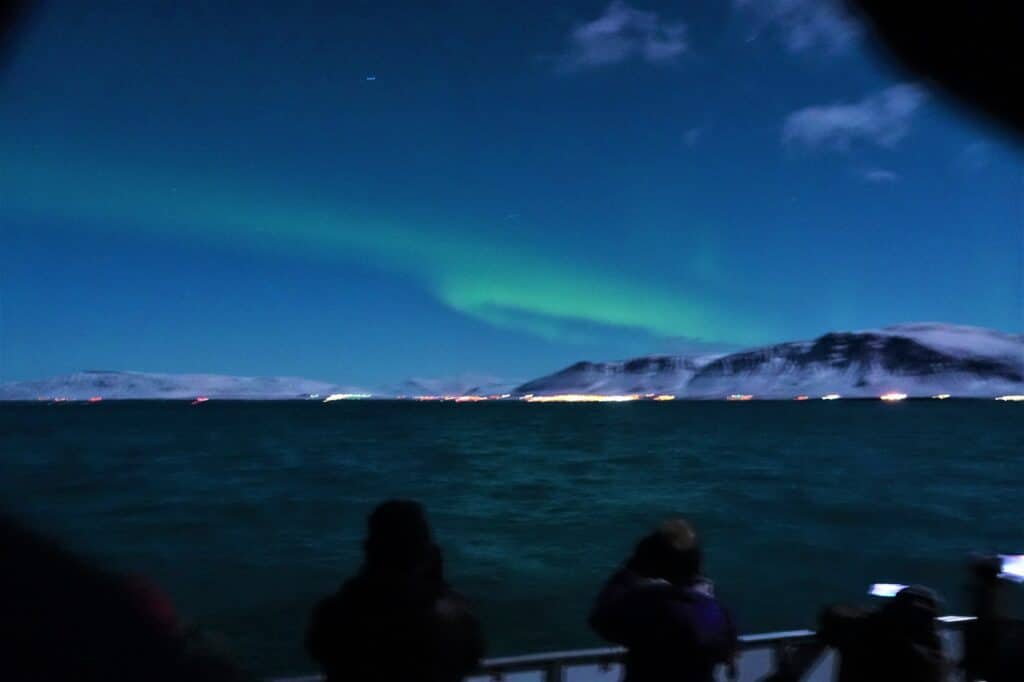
x,y
396,620
994,643
898,642
63,618
664,612
972,50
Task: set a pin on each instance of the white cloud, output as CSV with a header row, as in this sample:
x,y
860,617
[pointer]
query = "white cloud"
x,y
881,118
879,176
804,25
620,34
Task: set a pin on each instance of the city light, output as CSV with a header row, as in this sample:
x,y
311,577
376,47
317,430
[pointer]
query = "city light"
x,y
664,397
742,397
802,397
95,399
831,396
200,400
886,589
1011,398
470,399
941,396
346,396
893,397
1012,568
580,398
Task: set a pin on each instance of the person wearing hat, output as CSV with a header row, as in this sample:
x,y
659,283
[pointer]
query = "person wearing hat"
x,y
896,643
664,612
396,620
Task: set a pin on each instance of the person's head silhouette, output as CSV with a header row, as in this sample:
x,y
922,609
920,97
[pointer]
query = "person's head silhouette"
x,y
399,540
671,553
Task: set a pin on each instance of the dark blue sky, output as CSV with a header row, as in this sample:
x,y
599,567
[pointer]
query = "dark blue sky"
x,y
362,192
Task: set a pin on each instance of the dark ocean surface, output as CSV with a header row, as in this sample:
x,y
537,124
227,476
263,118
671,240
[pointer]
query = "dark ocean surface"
x,y
247,512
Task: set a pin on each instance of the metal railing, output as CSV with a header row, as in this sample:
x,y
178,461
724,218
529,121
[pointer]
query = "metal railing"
x,y
797,649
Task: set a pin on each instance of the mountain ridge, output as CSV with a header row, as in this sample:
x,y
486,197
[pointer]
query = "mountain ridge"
x,y
919,359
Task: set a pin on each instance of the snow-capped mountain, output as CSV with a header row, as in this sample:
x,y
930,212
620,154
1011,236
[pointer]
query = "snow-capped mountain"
x,y
916,359
665,374
146,386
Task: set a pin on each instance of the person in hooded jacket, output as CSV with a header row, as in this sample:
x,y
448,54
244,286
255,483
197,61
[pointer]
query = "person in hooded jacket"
x,y
665,613
896,643
396,620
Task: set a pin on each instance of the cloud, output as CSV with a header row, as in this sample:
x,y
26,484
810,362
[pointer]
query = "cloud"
x,y
975,157
879,176
804,25
881,118
621,34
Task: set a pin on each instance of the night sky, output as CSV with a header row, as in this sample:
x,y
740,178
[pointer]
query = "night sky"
x,y
364,192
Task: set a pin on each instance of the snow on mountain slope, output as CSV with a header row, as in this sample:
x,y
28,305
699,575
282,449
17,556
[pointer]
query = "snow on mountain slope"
x,y
141,385
917,359
955,339
656,374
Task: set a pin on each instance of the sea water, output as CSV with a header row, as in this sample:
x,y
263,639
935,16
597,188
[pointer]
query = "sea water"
x,y
246,513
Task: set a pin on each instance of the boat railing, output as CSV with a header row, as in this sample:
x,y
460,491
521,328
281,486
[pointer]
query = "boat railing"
x,y
797,650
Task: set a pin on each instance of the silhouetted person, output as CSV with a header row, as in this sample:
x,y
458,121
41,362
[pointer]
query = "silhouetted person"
x,y
63,618
896,643
666,615
396,620
994,643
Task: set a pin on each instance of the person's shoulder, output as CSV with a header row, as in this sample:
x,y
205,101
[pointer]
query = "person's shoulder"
x,y
458,630
838,622
337,605
452,605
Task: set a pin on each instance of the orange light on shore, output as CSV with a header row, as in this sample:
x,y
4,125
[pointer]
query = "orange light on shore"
x,y
893,397
661,398
802,397
200,400
95,399
580,398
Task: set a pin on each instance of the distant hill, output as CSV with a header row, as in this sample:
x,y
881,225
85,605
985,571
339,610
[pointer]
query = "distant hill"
x,y
917,359
468,384
141,385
